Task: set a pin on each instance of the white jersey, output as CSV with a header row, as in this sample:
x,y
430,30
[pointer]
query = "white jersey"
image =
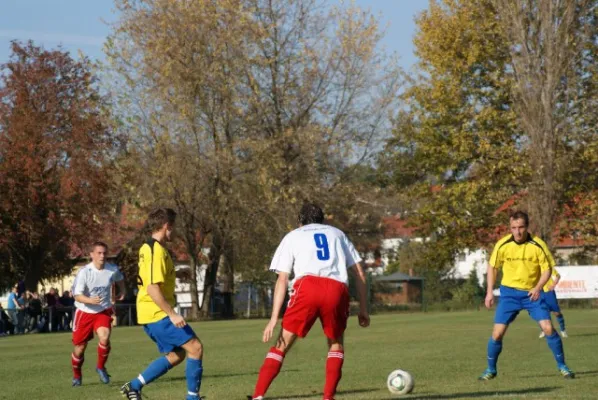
x,y
92,282
318,250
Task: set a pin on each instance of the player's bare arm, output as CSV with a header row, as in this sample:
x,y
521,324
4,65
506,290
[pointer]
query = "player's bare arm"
x,y
280,291
556,278
81,298
155,292
491,279
534,294
122,290
363,316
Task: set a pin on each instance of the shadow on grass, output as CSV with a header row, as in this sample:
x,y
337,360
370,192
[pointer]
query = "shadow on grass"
x,y
205,376
548,375
584,334
478,395
316,394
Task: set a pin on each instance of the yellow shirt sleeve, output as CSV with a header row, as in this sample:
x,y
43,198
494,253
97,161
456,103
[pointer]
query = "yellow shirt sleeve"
x,y
496,258
547,255
544,261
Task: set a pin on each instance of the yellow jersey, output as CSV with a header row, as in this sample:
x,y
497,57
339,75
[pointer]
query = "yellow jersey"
x,y
521,263
155,266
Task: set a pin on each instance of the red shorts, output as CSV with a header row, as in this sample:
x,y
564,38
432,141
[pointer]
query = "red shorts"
x,y
314,297
85,324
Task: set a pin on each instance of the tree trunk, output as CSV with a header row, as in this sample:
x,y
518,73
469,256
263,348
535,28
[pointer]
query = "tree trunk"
x,y
264,305
228,279
209,283
193,287
33,273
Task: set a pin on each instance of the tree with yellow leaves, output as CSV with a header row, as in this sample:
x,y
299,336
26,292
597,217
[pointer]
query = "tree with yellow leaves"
x,y
239,110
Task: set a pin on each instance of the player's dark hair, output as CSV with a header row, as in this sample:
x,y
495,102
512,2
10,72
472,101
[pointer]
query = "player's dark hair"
x,y
159,217
98,244
310,214
521,215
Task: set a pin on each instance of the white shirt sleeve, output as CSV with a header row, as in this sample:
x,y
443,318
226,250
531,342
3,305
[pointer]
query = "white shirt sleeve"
x,y
351,255
79,285
283,257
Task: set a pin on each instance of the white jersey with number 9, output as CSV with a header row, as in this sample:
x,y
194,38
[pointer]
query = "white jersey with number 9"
x,y
318,250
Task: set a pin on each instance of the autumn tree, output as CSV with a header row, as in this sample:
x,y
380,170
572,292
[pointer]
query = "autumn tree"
x,y
548,47
265,103
459,150
455,153
53,147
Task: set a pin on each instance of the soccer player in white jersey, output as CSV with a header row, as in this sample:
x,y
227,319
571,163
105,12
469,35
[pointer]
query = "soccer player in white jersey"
x,y
92,290
320,255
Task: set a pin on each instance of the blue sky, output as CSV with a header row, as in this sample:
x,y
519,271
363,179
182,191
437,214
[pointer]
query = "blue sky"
x,y
81,24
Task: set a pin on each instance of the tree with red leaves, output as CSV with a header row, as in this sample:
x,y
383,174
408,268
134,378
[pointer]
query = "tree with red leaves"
x,y
54,143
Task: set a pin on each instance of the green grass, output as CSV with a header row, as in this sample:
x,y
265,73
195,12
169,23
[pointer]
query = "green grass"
x,y
445,352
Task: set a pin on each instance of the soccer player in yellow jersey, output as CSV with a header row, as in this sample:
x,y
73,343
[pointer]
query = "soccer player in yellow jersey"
x,y
155,302
526,267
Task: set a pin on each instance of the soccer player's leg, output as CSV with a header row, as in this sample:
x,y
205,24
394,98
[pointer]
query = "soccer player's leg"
x,y
273,363
103,328
299,317
553,306
194,368
82,333
507,310
538,310
165,335
334,312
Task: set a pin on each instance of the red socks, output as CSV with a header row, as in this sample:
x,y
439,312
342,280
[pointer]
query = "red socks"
x,y
103,351
77,363
273,363
269,370
334,365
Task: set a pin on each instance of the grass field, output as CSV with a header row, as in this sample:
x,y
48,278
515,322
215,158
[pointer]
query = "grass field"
x,y
444,352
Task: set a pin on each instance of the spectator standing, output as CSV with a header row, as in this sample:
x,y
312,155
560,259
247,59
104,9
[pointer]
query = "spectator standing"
x,y
13,307
34,309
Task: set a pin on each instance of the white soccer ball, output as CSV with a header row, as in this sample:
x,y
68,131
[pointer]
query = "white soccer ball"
x,y
400,382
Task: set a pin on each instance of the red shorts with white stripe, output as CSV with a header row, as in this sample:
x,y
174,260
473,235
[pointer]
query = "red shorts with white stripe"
x,y
85,324
315,297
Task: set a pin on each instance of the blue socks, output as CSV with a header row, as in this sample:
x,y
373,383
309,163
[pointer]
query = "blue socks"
x,y
561,319
556,346
193,373
155,370
494,349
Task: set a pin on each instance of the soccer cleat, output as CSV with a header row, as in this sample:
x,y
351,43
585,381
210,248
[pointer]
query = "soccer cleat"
x,y
194,397
564,334
566,372
76,381
542,335
487,375
104,376
255,398
129,393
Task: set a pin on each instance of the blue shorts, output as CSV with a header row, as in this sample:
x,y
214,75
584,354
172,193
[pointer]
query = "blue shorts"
x,y
514,300
167,336
551,301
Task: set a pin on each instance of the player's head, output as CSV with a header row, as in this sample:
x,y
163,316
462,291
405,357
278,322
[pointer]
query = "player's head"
x,y
98,254
518,223
15,288
310,214
162,220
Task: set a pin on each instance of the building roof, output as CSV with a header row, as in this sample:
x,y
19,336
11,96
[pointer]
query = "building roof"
x,y
397,277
